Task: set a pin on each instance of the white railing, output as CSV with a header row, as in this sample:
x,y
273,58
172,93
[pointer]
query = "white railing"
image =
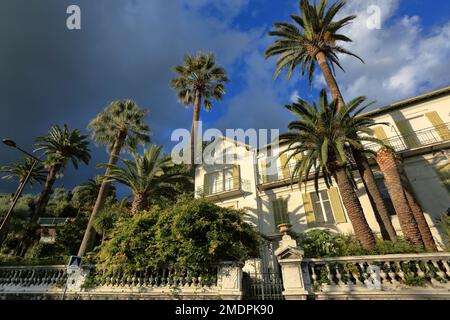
x,y
396,276
52,282
223,186
388,272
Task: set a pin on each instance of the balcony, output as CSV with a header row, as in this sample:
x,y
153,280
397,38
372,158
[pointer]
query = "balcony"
x,y
224,189
417,140
281,177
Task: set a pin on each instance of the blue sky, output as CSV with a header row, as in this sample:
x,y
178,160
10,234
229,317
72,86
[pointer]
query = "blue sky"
x,y
125,49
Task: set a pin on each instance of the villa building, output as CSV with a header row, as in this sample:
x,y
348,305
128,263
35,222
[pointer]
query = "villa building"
x,y
260,180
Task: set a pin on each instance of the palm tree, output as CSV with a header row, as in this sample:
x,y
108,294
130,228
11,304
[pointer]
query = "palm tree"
x,y
409,211
388,163
60,146
321,134
199,81
20,170
312,40
120,126
147,176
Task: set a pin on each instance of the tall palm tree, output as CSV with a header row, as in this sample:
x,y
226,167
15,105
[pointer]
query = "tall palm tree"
x,y
61,146
389,165
145,175
199,81
313,39
19,171
321,134
409,211
120,126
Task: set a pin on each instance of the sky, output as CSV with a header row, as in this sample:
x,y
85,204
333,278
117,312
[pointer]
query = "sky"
x,y
126,49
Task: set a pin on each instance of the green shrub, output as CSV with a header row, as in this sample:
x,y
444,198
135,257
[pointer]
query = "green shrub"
x,y
193,233
323,243
444,224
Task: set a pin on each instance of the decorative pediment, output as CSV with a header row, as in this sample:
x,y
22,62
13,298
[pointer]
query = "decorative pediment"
x,y
290,253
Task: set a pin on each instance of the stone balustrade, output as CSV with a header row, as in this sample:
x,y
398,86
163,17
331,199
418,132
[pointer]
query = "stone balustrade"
x,y
388,272
157,278
397,276
49,282
32,276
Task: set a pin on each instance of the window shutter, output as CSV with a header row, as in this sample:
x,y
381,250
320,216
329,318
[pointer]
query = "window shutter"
x,y
439,125
409,138
379,133
276,212
284,166
336,205
264,171
236,177
307,205
280,212
206,184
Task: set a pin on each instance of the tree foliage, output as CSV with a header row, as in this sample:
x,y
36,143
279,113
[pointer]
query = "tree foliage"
x,y
193,234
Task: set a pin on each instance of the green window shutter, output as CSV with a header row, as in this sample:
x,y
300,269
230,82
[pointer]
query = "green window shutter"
x,y
280,212
206,184
408,135
336,205
276,212
284,166
444,175
439,125
307,206
236,177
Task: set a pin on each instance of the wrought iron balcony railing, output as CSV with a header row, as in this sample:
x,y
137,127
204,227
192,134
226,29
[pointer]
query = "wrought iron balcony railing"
x,y
224,186
278,174
416,139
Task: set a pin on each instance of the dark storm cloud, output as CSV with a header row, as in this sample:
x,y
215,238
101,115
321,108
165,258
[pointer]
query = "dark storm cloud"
x,y
125,49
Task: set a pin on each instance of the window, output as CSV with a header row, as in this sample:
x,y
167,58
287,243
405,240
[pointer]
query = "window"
x,y
222,181
280,213
385,194
322,207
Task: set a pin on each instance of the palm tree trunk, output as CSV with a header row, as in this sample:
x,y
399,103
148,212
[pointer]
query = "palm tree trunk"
x,y
139,203
354,209
388,165
329,79
361,160
194,128
417,211
44,197
88,237
374,193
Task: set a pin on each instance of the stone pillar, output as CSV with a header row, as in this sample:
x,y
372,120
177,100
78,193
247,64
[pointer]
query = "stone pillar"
x,y
229,280
290,259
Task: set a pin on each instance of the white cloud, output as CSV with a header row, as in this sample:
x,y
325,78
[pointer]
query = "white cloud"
x,y
401,59
295,96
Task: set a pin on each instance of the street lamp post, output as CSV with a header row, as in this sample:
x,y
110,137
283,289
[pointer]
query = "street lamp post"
x,y
12,144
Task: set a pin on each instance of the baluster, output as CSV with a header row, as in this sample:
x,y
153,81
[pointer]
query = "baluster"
x,y
329,275
431,272
391,273
151,280
420,272
364,274
446,267
439,271
400,272
313,274
338,276
383,274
